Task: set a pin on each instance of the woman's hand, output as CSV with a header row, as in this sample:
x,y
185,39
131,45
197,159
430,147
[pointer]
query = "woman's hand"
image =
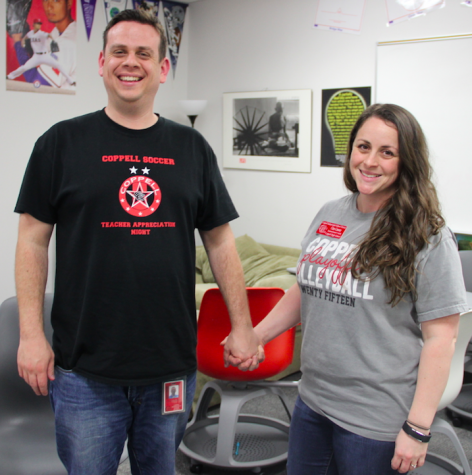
x,y
409,453
250,363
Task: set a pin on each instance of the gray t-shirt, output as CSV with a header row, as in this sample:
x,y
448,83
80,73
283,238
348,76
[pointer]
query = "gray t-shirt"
x,y
359,355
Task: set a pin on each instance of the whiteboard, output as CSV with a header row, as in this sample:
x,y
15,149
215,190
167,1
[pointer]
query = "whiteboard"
x,y
432,78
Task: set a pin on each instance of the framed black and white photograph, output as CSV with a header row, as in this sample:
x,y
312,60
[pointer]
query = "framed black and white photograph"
x,y
267,130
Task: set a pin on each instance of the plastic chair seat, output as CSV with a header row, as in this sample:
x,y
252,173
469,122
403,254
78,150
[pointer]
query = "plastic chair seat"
x,y
232,439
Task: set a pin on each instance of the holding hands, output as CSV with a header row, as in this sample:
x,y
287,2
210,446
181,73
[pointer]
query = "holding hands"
x,y
242,349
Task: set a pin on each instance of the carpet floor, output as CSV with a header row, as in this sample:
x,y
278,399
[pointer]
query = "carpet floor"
x,y
270,406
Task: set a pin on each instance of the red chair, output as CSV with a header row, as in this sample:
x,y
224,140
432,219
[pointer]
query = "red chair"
x,y
232,439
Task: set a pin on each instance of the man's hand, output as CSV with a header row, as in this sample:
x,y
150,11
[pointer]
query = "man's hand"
x,y
35,356
36,363
242,349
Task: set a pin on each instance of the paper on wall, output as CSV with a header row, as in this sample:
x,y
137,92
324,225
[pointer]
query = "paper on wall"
x,y
402,10
340,15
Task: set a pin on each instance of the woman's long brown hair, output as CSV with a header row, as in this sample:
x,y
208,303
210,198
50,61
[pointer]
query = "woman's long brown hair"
x,y
402,227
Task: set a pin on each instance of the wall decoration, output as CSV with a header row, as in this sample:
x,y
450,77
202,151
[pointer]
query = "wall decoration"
x,y
41,46
174,14
340,110
88,10
112,7
402,10
464,241
268,130
148,6
340,15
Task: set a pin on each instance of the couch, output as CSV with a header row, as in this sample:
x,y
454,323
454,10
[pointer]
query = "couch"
x,y
264,265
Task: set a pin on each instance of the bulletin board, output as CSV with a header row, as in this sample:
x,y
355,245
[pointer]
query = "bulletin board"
x,y
431,77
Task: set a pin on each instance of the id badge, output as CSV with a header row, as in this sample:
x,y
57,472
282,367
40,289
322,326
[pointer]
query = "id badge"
x,y
173,396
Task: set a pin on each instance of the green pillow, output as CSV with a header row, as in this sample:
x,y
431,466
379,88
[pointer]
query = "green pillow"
x,y
263,266
257,262
246,247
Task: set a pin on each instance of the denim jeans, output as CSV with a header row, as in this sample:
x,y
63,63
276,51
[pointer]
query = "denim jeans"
x,y
94,419
317,446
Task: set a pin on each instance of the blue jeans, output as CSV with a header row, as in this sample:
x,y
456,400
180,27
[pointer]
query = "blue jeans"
x,y
94,419
317,446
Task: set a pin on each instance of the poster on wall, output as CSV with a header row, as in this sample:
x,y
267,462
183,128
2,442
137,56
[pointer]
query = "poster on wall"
x,y
268,130
174,15
340,110
148,6
41,46
344,16
402,10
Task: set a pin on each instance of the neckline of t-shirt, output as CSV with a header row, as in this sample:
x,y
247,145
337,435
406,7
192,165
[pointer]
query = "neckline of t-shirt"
x,y
355,210
132,132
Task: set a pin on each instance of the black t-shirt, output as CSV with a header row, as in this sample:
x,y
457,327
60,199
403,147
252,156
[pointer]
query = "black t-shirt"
x,y
125,204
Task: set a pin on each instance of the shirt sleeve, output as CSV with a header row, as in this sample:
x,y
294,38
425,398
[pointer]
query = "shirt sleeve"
x,y
439,281
217,207
35,197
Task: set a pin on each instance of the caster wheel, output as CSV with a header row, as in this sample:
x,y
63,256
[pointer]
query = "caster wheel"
x,y
456,421
196,468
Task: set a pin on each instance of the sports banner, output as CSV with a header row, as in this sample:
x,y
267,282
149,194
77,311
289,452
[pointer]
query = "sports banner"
x,y
112,7
149,6
174,14
41,46
88,9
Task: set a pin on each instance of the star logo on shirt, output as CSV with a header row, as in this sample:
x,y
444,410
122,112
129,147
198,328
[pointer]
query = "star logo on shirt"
x,y
146,171
133,170
139,196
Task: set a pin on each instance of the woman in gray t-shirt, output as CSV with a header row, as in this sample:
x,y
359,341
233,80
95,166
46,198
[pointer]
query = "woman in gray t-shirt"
x,y
374,266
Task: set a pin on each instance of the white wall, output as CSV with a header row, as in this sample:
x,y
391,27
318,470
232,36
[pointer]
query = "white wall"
x,y
254,45
228,46
25,116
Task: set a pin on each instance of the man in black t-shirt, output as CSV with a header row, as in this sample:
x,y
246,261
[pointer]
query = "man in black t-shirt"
x,y
125,189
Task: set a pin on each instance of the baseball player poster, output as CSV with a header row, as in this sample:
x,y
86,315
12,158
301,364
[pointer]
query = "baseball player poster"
x,y
41,46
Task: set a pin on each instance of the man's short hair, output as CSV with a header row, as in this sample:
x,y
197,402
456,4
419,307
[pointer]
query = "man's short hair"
x,y
144,18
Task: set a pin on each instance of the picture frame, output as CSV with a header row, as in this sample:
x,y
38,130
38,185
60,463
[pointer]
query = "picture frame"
x,y
340,109
268,130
